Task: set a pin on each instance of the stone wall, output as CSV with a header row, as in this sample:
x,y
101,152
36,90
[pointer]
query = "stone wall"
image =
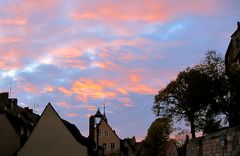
x,y
225,142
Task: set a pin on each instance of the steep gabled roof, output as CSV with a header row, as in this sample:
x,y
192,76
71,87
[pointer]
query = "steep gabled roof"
x,y
70,127
108,126
238,29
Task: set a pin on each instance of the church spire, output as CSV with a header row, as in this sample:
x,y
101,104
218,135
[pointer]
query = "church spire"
x,y
104,114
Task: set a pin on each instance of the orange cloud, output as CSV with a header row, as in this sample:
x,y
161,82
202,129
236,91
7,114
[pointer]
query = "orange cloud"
x,y
134,78
65,91
86,88
72,115
49,88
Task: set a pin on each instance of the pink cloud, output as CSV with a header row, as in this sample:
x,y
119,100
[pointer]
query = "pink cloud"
x,y
66,52
141,10
64,104
13,22
72,115
8,40
31,88
88,107
10,59
126,101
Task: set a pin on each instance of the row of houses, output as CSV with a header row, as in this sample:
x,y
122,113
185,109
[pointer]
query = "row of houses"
x,y
24,133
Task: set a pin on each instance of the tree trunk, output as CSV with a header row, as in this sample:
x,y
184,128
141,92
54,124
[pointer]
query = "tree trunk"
x,y
192,128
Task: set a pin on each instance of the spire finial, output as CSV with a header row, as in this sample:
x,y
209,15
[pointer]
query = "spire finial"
x,y
104,114
104,108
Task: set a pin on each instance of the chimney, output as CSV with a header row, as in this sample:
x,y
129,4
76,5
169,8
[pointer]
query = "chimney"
x,y
91,127
27,109
4,98
238,24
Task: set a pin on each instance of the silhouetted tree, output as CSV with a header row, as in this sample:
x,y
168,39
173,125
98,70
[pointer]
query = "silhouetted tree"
x,y
157,136
197,95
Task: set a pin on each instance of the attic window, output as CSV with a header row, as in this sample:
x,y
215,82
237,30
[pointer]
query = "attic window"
x,y
106,133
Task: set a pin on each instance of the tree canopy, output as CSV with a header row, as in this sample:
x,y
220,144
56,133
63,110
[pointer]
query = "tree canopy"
x,y
196,95
158,134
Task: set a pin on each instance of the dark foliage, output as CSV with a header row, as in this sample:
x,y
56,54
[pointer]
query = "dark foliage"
x,y
198,95
157,136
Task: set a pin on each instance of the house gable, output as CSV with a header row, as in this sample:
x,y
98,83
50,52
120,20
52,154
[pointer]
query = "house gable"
x,y
51,137
108,137
9,139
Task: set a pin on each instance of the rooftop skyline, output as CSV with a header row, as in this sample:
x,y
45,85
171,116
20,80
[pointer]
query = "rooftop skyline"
x,y
79,55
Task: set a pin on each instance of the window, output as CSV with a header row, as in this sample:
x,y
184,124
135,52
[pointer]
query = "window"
x,y
112,145
21,130
106,133
28,132
104,145
100,134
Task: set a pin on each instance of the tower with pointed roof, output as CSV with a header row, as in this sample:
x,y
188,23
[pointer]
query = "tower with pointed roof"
x,y
232,57
103,135
232,62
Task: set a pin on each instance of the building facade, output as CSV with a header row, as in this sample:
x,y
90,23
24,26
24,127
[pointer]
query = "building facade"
x,y
104,136
16,124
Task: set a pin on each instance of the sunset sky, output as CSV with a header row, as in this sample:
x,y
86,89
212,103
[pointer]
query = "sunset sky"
x,y
80,54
